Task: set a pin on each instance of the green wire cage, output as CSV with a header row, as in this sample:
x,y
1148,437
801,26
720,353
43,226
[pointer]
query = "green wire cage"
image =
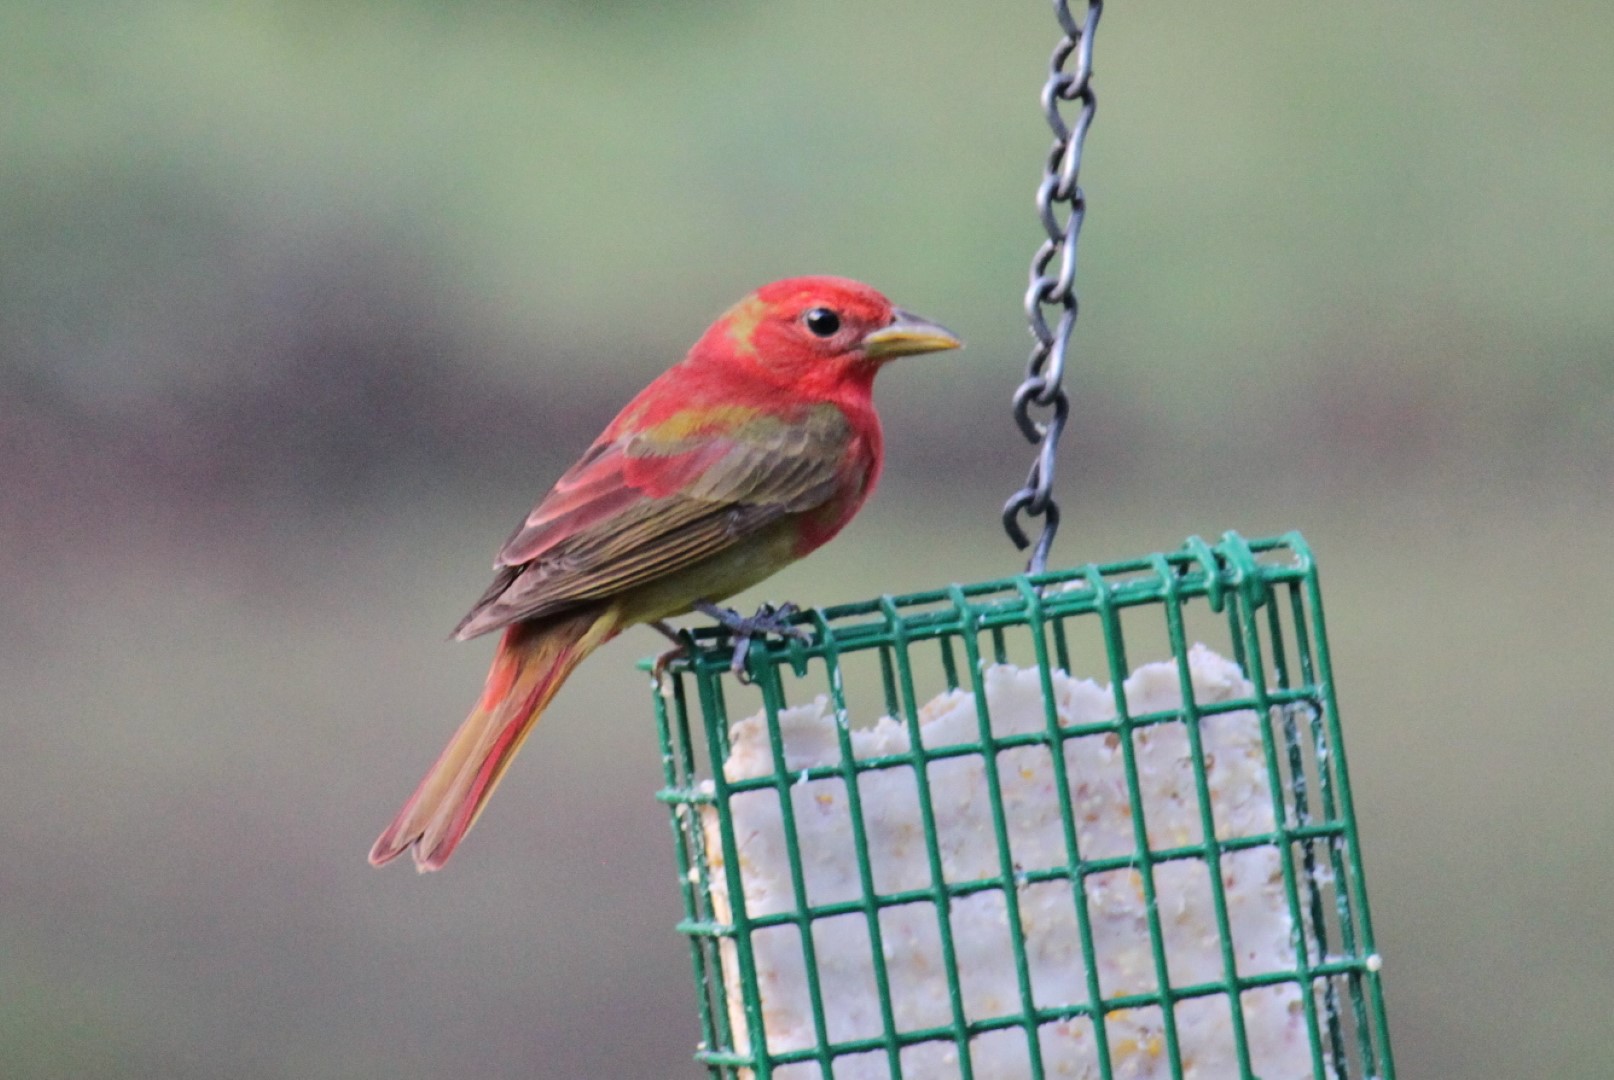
x,y
921,844
1090,824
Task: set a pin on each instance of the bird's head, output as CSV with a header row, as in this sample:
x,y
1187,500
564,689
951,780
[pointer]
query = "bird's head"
x,y
821,333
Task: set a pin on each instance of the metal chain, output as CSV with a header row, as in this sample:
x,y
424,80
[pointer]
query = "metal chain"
x,y
1058,197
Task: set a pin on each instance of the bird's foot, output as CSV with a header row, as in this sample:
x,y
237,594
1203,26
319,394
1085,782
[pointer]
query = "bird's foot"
x,y
766,620
679,650
745,628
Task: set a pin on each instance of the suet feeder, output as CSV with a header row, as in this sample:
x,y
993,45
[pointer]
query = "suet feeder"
x,y
1090,823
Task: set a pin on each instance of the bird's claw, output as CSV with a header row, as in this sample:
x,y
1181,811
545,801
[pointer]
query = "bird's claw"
x,y
766,620
658,670
680,649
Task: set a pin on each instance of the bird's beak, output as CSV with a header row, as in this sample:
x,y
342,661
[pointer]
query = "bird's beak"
x,y
908,335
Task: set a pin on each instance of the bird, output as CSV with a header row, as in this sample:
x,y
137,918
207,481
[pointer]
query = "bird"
x,y
749,453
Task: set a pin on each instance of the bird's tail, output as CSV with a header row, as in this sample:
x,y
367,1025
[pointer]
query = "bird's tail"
x,y
529,667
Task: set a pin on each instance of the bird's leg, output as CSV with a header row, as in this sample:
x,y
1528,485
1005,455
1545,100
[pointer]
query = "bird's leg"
x,y
679,650
766,620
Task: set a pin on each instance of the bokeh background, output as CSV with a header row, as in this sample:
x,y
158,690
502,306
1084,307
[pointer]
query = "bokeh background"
x,y
301,305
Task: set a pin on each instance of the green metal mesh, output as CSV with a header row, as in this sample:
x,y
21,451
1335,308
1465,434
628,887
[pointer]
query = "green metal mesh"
x,y
1258,600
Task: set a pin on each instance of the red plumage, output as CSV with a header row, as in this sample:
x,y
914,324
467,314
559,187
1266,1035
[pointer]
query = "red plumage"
x,y
757,447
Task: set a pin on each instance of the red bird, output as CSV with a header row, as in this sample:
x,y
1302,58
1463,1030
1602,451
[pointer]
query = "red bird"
x,y
749,453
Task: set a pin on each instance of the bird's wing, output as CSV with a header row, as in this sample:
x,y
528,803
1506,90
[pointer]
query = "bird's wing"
x,y
648,504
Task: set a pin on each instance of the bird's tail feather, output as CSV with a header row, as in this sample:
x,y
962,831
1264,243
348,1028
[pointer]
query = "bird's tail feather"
x,y
531,664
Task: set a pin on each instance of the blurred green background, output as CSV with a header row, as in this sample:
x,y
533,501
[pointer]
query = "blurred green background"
x,y
301,305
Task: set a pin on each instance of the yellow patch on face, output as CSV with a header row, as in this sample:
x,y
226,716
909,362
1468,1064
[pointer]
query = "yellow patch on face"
x,y
742,320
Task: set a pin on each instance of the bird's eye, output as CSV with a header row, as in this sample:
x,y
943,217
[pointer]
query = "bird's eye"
x,y
822,321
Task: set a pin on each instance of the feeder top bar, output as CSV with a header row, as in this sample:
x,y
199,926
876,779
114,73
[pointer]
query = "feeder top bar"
x,y
1198,569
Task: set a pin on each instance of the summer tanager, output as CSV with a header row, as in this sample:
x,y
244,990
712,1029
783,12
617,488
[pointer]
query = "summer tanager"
x,y
743,457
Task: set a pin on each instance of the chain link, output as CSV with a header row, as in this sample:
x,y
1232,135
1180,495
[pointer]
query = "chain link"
x,y
1061,207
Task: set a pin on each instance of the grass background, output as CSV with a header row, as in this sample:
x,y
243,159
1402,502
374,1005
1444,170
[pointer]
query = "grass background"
x,y
300,305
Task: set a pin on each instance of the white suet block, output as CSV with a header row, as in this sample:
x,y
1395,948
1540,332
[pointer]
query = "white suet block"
x,y
1241,803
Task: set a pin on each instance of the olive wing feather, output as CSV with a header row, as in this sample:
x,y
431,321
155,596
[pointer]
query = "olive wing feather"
x,y
645,505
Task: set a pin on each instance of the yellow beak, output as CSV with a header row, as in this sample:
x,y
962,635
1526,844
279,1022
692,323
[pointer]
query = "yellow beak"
x,y
908,335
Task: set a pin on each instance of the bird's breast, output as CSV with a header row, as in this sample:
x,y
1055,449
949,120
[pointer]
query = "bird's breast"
x,y
858,476
716,578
